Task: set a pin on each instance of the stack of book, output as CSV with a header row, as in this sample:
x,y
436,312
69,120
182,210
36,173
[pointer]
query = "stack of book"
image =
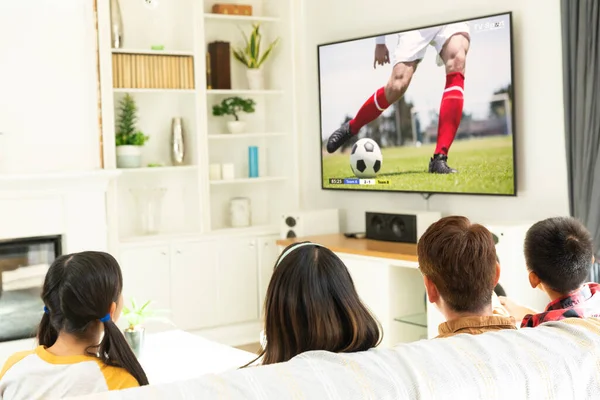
x,y
149,71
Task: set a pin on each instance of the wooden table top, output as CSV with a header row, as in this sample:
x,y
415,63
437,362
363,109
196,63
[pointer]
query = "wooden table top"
x,y
339,243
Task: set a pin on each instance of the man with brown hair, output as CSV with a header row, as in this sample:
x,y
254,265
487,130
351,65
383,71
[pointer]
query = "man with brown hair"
x,y
460,270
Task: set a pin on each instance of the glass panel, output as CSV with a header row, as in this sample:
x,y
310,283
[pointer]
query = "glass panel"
x,y
415,319
23,267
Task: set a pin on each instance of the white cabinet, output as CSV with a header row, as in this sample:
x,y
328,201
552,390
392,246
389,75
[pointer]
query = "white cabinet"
x,y
204,283
146,275
268,252
237,281
193,284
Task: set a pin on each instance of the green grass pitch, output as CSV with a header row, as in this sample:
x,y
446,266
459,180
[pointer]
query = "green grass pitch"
x,y
484,166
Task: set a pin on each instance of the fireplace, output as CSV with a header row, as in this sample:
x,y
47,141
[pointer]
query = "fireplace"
x,y
23,266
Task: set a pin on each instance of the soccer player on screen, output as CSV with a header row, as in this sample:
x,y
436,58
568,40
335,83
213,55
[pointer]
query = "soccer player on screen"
x,y
452,44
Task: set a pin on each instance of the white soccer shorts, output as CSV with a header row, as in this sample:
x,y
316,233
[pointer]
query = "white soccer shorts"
x,y
412,45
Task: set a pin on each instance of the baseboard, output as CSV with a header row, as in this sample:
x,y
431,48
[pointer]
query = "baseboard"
x,y
233,335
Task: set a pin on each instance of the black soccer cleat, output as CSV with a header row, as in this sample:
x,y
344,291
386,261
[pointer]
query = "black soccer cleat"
x,y
439,165
338,138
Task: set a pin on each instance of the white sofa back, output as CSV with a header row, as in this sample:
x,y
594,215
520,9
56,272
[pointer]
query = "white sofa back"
x,y
559,360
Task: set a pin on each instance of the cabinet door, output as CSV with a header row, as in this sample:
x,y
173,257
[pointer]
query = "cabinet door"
x,y
193,284
146,275
237,281
268,251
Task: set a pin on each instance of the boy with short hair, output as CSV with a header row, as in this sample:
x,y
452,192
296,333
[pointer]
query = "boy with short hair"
x,y
460,270
559,257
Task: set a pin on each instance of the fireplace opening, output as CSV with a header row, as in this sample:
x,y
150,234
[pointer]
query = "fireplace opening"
x,y
23,266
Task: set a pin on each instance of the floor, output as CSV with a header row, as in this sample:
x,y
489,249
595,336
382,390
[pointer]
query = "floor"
x,y
251,347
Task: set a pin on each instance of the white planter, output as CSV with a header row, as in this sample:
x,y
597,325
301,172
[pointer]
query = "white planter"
x,y
236,126
129,156
256,80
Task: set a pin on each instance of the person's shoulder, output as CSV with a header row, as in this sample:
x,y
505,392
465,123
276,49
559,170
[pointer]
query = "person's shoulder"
x,y
13,360
117,378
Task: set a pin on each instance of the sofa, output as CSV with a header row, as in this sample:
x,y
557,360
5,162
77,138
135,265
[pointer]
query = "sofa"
x,y
558,360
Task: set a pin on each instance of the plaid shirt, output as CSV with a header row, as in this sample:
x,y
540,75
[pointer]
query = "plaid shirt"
x,y
583,303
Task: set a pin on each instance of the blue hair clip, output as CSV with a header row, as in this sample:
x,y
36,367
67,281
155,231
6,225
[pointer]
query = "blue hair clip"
x,y
106,318
46,311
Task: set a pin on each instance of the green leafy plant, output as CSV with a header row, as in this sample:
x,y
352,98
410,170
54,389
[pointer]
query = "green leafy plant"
x,y
139,315
233,106
250,54
127,134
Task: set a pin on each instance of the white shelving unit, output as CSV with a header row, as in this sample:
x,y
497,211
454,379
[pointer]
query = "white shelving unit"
x,y
193,205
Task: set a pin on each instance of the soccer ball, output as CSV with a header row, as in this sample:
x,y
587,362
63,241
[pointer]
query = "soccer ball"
x,y
366,158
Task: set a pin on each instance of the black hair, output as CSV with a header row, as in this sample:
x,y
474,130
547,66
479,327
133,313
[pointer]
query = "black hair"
x,y
79,289
312,304
559,251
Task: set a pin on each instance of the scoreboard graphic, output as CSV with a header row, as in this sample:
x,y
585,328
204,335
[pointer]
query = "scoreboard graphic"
x,y
356,181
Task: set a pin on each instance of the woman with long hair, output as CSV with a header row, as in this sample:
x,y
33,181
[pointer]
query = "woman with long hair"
x,y
312,304
81,350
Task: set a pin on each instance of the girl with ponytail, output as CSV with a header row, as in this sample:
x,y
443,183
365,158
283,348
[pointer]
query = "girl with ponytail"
x,y
81,350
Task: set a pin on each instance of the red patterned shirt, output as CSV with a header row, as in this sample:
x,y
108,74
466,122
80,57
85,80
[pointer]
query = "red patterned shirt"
x,y
582,303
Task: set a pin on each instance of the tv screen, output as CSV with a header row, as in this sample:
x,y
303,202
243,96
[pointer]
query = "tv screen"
x,y
427,110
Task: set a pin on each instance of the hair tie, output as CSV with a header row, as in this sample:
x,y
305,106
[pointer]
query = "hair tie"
x,y
46,311
106,318
294,247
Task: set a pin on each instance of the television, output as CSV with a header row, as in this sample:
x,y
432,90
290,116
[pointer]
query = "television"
x,y
427,110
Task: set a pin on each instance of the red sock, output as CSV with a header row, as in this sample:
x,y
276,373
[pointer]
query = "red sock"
x,y
369,111
450,112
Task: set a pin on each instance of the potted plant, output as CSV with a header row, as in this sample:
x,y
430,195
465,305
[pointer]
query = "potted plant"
x,y
128,139
136,317
252,58
233,106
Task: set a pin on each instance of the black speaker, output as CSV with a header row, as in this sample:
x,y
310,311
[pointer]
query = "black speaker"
x,y
392,227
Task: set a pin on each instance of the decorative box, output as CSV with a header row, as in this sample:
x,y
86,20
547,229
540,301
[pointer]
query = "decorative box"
x,y
232,9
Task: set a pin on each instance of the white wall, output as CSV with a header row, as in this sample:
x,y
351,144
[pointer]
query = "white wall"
x,y
48,101
541,159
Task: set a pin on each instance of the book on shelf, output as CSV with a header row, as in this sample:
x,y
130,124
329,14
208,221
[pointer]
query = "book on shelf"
x,y
220,65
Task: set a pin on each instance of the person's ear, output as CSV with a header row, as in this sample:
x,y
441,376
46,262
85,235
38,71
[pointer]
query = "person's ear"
x,y
534,280
432,292
497,277
112,310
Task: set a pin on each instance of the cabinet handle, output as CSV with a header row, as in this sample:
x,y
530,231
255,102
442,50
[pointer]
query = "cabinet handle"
x,y
251,244
164,253
178,251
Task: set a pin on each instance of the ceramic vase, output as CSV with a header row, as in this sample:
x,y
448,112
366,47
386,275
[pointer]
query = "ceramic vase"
x,y
129,156
236,126
256,80
136,338
177,142
116,25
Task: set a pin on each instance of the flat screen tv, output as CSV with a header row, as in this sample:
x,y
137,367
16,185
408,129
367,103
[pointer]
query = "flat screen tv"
x,y
427,110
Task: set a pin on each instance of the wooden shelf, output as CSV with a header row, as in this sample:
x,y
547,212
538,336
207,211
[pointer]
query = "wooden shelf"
x,y
232,92
230,136
361,247
130,90
154,52
158,170
238,18
248,180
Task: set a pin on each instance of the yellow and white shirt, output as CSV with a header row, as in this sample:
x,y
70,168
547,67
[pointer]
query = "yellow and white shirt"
x,y
38,374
